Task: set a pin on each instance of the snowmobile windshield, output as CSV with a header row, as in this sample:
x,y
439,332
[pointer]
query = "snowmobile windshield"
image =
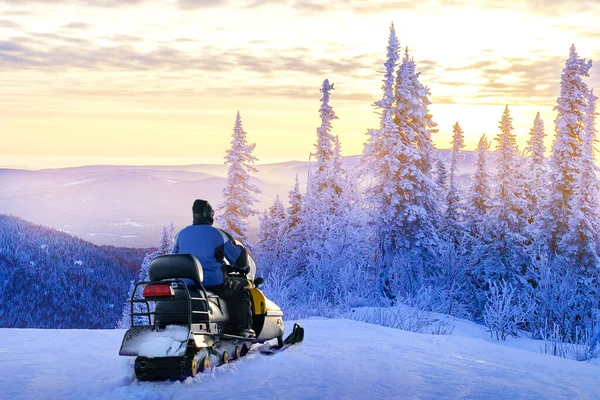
x,y
252,265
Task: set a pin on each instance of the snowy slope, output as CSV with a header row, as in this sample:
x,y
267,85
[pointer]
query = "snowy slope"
x,y
338,359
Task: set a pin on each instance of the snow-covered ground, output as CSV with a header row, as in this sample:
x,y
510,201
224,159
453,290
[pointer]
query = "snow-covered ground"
x,y
339,359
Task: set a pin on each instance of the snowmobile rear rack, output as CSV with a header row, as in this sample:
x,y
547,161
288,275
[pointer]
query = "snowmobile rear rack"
x,y
189,299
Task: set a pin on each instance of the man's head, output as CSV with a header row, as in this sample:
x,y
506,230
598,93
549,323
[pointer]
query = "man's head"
x,y
203,212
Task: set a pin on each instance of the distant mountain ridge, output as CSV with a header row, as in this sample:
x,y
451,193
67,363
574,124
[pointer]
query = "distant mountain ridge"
x,y
127,205
50,279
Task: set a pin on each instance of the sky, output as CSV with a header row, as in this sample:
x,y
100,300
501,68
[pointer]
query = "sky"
x,y
160,82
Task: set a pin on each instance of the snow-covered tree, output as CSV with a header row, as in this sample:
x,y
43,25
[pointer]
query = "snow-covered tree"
x,y
421,121
506,246
411,219
163,246
399,157
331,253
565,162
453,215
295,199
270,234
380,159
374,154
480,193
325,141
238,192
441,174
536,167
582,240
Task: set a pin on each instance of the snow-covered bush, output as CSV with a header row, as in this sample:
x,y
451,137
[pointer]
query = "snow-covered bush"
x,y
584,345
504,314
554,341
398,317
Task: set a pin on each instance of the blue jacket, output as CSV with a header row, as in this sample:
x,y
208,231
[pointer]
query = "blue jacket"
x,y
211,246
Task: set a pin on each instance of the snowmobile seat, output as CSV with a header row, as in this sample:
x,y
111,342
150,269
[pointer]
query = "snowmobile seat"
x,y
184,266
176,266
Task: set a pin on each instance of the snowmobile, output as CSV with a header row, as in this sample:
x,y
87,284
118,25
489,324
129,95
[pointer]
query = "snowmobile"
x,y
188,328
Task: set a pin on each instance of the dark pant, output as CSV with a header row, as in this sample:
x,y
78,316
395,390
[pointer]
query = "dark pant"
x,y
238,303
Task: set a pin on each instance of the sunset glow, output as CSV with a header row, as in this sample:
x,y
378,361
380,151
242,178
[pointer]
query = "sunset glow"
x,y
160,82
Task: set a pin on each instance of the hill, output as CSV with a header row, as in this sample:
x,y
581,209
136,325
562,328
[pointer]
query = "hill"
x,y
339,359
127,205
50,279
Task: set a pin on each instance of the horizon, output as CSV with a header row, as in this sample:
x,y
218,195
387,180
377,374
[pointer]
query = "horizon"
x,y
148,82
214,163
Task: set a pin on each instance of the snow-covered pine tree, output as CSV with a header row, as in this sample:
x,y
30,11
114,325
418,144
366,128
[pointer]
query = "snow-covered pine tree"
x,y
536,172
166,242
271,225
377,158
270,235
238,192
582,240
163,246
331,253
480,194
478,223
441,171
380,159
507,259
325,141
453,216
424,126
292,231
295,199
571,108
414,210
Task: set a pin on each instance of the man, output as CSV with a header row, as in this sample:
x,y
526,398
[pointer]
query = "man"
x,y
212,246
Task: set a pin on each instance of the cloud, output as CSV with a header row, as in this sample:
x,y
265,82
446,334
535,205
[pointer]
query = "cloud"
x,y
269,72
192,4
51,51
9,24
95,3
77,26
9,47
513,80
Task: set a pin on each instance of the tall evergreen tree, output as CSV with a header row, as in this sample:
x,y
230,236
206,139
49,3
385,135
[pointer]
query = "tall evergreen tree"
x,y
163,246
295,199
413,218
480,192
325,141
536,167
238,191
507,246
331,252
422,121
380,158
270,238
566,153
581,243
441,174
453,217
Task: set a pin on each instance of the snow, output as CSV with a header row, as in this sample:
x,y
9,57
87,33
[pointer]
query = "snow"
x,y
339,359
128,223
80,182
169,342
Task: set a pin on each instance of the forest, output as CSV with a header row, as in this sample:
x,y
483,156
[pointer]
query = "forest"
x,y
50,279
516,249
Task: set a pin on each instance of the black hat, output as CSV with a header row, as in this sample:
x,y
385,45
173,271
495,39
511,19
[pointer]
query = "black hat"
x,y
203,212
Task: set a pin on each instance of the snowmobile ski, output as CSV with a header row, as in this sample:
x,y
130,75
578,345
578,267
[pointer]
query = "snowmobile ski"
x,y
296,337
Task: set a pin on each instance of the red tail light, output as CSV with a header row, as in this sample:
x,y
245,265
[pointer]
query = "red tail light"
x,y
159,290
